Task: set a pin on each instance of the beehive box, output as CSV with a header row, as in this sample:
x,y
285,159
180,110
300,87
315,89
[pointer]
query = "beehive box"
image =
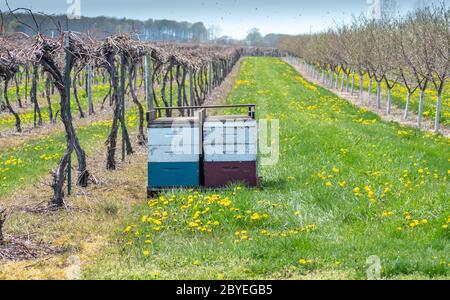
x,y
173,153
230,150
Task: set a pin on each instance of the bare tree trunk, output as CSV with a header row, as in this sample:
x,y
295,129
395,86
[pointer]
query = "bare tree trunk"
x,y
389,101
49,102
378,94
33,92
353,84
19,100
369,91
11,110
361,89
27,72
75,93
2,223
346,82
408,101
59,175
420,116
107,95
163,92
112,138
438,110
141,136
330,84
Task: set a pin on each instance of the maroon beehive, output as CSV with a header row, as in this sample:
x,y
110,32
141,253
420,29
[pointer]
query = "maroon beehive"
x,y
230,151
220,174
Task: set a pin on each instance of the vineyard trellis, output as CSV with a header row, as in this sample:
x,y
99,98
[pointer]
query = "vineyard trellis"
x,y
412,50
172,75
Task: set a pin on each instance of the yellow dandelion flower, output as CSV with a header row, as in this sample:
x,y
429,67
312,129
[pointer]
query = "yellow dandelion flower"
x,y
196,263
255,217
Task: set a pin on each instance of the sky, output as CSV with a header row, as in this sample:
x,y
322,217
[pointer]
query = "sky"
x,y
234,17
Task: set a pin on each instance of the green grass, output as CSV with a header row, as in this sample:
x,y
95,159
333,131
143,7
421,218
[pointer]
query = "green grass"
x,y
30,162
7,120
347,186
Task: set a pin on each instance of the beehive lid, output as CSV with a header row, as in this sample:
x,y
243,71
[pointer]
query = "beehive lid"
x,y
229,118
168,122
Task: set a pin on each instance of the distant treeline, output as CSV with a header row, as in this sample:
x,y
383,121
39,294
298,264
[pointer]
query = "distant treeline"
x,y
150,30
154,30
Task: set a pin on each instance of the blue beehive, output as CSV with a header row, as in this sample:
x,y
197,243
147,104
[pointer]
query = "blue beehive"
x,y
173,153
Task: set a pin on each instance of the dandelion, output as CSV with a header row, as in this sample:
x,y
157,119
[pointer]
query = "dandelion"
x,y
196,263
225,202
304,261
255,217
328,184
146,253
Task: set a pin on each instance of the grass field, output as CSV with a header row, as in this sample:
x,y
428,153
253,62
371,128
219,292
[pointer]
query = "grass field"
x,y
30,162
7,120
348,186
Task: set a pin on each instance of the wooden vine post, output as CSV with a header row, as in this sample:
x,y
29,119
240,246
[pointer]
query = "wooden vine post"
x,y
2,105
67,85
89,89
148,67
122,101
210,77
191,88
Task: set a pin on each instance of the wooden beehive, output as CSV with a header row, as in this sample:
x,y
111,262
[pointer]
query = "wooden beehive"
x,y
230,150
173,153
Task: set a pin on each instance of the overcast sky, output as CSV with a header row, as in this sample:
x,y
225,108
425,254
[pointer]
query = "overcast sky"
x,y
234,17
